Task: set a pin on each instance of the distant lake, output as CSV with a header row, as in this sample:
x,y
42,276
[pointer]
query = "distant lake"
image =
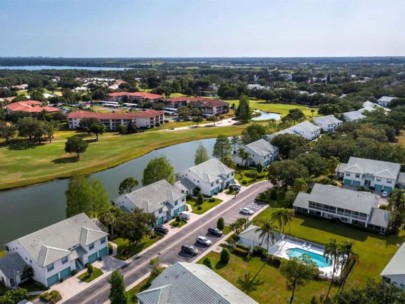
x,y
54,67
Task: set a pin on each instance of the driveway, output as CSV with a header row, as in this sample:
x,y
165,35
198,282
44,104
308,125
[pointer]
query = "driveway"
x,y
169,248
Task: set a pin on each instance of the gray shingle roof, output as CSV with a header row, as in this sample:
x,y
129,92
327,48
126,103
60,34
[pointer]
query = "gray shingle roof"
x,y
211,170
396,266
326,120
54,242
192,283
262,147
353,115
380,217
251,234
305,129
340,198
152,197
386,99
374,167
12,263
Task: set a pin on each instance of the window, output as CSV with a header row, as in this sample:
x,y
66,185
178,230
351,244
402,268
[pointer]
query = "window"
x,y
103,240
176,203
64,260
357,175
378,179
389,181
347,174
160,210
50,267
91,246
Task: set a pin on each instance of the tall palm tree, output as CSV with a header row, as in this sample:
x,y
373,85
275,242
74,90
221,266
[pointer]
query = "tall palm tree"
x,y
289,217
345,250
108,218
279,216
332,252
266,232
235,141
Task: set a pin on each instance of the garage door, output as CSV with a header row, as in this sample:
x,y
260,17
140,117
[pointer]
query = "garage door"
x,y
64,273
103,252
52,280
92,257
356,183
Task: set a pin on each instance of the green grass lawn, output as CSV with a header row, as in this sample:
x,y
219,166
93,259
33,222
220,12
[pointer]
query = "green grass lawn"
x,y
126,249
23,164
241,175
32,286
204,207
3,253
274,288
276,107
374,251
131,294
401,138
85,277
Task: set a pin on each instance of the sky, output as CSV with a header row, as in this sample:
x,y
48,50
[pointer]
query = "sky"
x,y
202,28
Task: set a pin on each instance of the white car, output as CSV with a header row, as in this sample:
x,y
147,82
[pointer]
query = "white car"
x,y
203,241
384,194
246,211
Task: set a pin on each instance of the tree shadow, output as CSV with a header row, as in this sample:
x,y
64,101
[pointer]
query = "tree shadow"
x,y
65,160
220,265
93,140
21,145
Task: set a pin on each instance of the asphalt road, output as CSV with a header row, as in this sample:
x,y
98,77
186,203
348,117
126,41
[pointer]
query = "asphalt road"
x,y
169,248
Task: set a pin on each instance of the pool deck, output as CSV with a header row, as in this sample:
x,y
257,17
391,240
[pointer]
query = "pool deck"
x,y
281,247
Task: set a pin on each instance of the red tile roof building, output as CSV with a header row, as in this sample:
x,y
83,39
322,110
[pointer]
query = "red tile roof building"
x,y
30,106
139,96
144,119
209,106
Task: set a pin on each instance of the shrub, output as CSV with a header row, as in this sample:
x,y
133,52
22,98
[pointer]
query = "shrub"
x,y
207,262
73,272
259,168
200,199
274,261
244,182
225,256
212,200
110,249
251,174
90,269
51,297
178,219
240,252
199,208
238,245
259,252
221,223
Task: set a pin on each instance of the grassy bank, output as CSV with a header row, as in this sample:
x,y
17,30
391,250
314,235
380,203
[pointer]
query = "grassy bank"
x,y
23,164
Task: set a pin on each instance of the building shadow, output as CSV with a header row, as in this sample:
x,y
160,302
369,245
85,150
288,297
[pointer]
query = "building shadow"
x,y
65,160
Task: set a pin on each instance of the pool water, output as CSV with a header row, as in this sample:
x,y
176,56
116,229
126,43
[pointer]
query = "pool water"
x,y
318,259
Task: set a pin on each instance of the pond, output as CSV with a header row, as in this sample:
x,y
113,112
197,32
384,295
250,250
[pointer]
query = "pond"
x,y
25,210
266,116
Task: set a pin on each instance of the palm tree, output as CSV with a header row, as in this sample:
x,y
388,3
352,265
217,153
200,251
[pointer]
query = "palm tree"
x,y
244,155
248,284
235,141
279,216
266,233
108,218
345,250
289,217
332,252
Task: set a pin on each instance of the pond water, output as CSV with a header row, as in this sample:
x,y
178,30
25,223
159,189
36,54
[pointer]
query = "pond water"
x,y
266,116
52,67
24,210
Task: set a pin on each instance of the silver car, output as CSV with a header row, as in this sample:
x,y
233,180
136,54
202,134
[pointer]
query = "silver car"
x,y
246,211
203,241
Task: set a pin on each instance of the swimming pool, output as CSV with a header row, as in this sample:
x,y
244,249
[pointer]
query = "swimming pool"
x,y
318,259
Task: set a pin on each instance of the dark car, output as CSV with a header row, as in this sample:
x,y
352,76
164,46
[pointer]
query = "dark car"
x,y
189,249
215,231
161,230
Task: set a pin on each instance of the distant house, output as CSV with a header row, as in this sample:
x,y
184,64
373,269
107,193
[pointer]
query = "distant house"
x,y
357,208
385,101
12,270
362,172
208,106
328,123
112,120
55,251
304,129
161,199
260,152
29,106
134,96
211,176
192,283
394,272
353,115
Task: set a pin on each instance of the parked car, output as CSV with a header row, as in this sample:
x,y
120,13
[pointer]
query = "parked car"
x,y
246,211
161,230
185,215
203,241
189,249
384,194
215,231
